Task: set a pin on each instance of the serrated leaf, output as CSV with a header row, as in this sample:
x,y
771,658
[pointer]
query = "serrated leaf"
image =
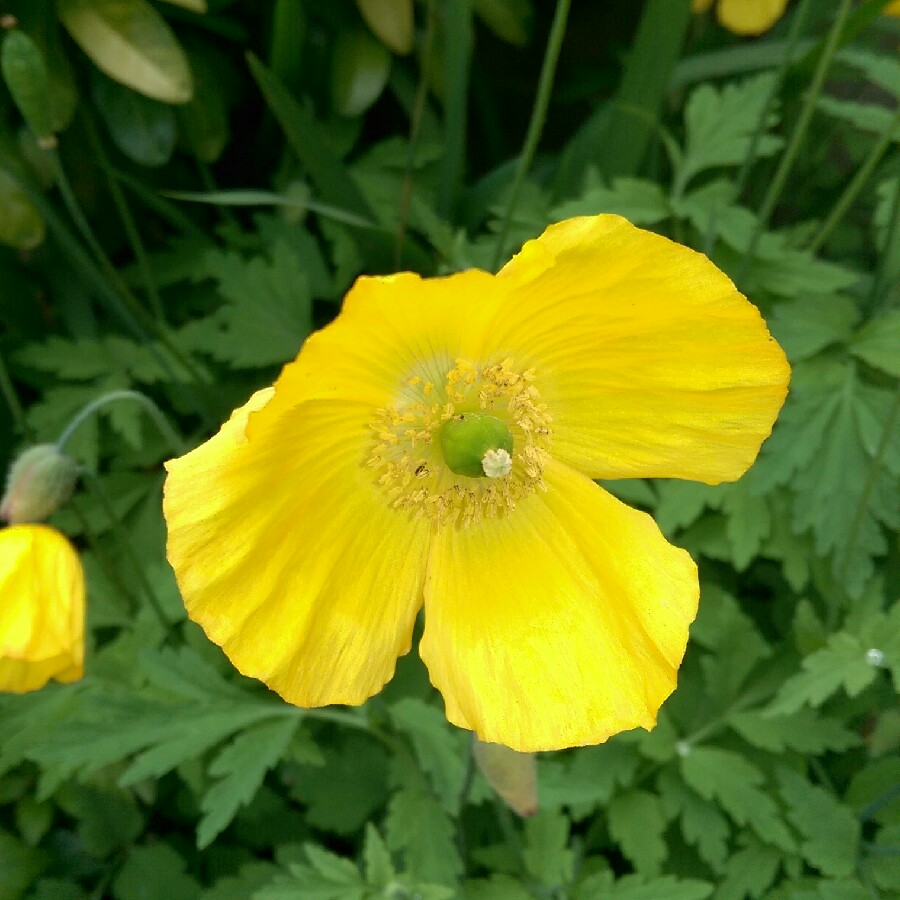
x,y
883,70
634,887
546,852
865,116
702,823
267,312
878,343
641,202
804,731
131,42
720,124
241,768
636,822
379,867
497,887
156,870
418,828
440,749
841,663
750,872
831,832
809,324
733,781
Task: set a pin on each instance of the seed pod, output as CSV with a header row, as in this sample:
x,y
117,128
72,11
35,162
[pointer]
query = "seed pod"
x,y
26,76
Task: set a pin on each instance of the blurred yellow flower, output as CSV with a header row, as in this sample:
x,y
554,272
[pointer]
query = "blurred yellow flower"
x,y
892,9
745,16
308,532
41,608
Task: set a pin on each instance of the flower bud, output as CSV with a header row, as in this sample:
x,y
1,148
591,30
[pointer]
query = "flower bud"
x,y
39,482
513,775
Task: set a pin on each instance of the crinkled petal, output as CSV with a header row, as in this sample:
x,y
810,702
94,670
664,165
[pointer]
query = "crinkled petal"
x,y
42,613
750,17
289,556
389,330
650,361
559,624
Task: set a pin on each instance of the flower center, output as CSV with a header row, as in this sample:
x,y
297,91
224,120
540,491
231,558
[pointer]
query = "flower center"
x,y
470,443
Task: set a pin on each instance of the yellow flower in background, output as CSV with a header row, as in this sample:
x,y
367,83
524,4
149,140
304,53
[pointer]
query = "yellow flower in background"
x,y
41,608
437,443
892,9
745,16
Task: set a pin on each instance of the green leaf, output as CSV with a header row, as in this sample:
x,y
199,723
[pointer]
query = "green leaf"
x,y
131,42
379,866
154,871
804,731
360,66
733,781
108,820
641,202
391,22
702,823
143,129
636,822
511,20
28,80
241,768
635,887
749,872
440,749
720,124
343,794
877,342
841,663
865,116
19,865
267,312
831,832
809,324
322,876
419,829
883,70
546,852
497,887
21,225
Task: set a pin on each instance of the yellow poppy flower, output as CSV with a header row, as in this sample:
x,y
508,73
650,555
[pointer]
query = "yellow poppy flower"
x,y
748,17
41,608
309,531
892,9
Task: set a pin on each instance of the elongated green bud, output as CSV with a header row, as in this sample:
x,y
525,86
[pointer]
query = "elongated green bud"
x,y
40,481
477,445
26,76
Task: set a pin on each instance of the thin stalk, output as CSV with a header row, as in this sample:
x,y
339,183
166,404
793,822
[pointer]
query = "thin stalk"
x,y
536,125
890,251
131,231
852,190
11,397
786,163
155,413
414,125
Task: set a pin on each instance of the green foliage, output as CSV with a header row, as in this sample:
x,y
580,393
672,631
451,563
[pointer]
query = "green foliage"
x,y
222,172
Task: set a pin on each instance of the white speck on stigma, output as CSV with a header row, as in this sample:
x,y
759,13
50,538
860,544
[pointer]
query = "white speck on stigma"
x,y
496,463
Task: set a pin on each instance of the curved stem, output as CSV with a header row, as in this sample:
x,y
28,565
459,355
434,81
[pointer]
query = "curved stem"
x,y
856,184
536,125
773,195
11,397
155,413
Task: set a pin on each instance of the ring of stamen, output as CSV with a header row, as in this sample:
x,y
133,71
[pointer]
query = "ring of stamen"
x,y
406,456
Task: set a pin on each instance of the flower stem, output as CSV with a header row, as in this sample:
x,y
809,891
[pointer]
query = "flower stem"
x,y
155,413
536,125
773,195
11,397
856,184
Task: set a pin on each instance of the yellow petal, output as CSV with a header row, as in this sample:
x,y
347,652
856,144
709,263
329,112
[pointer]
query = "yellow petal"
x,y
42,609
290,557
892,9
750,17
559,624
389,330
649,360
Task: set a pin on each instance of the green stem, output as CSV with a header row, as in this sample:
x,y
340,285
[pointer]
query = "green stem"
x,y
536,125
131,231
786,163
856,184
414,125
155,413
11,397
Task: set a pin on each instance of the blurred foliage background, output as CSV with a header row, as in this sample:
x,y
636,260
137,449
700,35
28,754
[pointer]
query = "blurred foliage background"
x,y
187,188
